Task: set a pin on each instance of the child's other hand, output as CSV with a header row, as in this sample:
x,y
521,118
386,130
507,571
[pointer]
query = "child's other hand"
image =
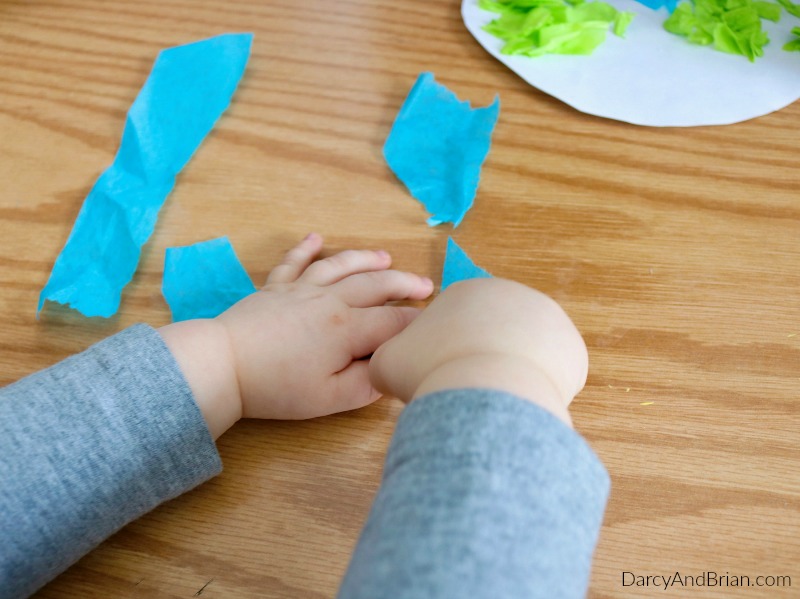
x,y
487,333
297,345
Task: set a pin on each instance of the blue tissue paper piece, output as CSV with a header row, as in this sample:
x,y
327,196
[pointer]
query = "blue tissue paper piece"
x,y
656,4
437,146
188,89
459,267
203,280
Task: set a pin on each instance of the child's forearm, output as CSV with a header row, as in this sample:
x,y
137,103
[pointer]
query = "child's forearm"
x,y
203,352
501,372
93,443
483,495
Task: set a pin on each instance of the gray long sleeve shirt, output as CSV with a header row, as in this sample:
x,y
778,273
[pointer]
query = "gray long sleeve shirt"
x,y
483,494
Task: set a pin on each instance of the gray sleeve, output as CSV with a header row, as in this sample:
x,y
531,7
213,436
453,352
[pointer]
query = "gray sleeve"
x,y
483,495
89,445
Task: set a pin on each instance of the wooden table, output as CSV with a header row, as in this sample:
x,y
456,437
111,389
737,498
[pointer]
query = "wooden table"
x,y
676,252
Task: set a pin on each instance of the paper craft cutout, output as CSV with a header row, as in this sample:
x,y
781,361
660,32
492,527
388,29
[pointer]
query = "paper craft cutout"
x,y
553,26
188,89
204,279
459,267
657,79
437,146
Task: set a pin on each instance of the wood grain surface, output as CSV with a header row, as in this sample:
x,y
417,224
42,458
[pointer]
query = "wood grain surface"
x,y
674,250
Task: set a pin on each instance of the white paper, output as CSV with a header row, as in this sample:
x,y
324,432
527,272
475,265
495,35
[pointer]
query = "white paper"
x,y
655,78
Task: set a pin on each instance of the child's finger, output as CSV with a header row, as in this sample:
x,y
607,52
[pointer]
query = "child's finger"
x,y
351,388
372,327
296,260
344,264
377,288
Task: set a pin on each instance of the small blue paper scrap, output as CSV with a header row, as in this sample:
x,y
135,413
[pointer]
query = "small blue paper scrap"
x,y
204,279
459,267
188,89
656,4
437,146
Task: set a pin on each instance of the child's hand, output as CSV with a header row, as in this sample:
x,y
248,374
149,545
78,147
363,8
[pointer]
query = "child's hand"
x,y
487,333
298,343
295,348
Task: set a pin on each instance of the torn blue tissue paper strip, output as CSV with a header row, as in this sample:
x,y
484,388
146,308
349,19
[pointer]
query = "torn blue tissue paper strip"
x,y
203,280
437,146
188,89
459,267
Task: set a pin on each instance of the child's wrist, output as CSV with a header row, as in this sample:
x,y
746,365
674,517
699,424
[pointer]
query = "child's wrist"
x,y
512,374
202,349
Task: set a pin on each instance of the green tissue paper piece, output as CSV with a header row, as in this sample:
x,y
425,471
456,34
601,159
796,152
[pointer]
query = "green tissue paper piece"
x,y
621,23
732,26
536,27
768,11
794,45
792,8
